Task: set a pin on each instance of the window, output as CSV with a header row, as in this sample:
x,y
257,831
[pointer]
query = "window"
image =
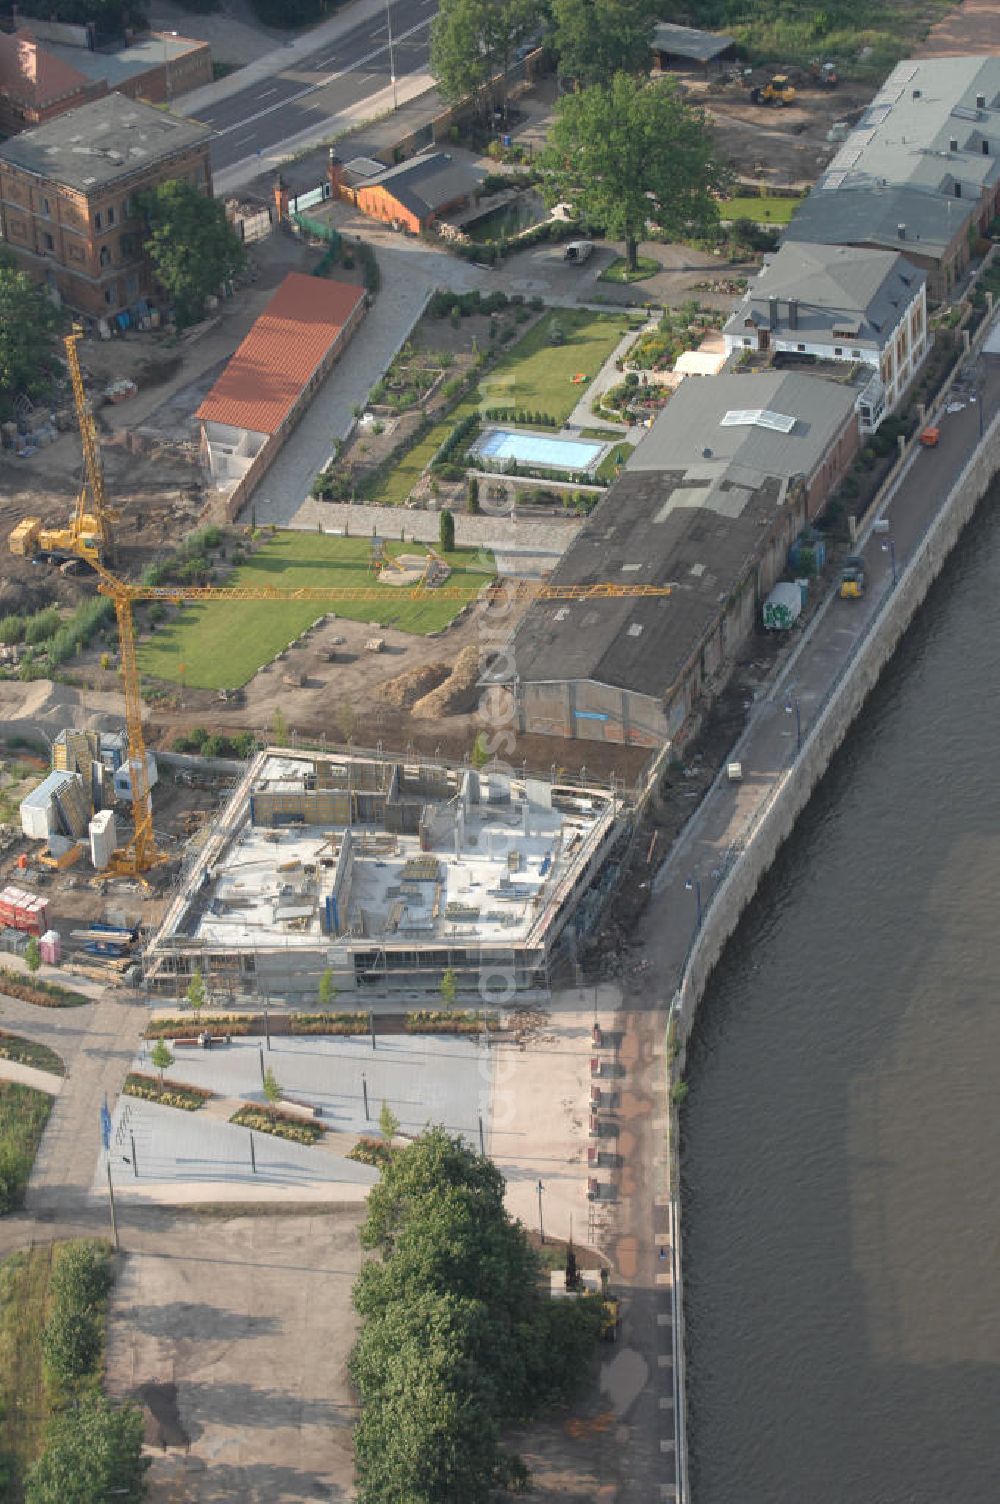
x,y
45,207
800,347
48,242
747,343
111,215
105,256
838,349
126,208
855,354
127,246
109,296
97,221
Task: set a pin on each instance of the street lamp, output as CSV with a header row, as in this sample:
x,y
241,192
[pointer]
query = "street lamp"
x,y
541,1228
889,547
392,56
792,705
693,884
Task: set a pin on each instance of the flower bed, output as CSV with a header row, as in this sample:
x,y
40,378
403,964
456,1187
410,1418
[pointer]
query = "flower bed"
x,y
371,1151
170,1094
192,1025
282,1125
329,1023
450,1021
42,994
27,1052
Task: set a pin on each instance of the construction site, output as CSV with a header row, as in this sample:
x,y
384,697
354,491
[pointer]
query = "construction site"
x,y
387,876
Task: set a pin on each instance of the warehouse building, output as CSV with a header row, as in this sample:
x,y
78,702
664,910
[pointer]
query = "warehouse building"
x,y
709,503
385,874
413,194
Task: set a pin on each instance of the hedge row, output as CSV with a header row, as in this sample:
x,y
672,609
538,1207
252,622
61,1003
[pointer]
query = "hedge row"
x,y
73,1338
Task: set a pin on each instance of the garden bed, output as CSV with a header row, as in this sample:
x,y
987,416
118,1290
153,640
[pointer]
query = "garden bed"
x,y
42,994
23,1115
450,1021
167,1094
619,270
27,1052
281,1125
371,1151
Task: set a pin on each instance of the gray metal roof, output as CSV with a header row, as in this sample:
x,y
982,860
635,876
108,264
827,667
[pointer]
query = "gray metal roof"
x,y
686,41
679,515
109,138
831,286
428,182
883,217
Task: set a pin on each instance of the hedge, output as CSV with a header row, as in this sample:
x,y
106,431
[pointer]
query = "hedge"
x,y
281,1125
73,1338
450,1021
170,1094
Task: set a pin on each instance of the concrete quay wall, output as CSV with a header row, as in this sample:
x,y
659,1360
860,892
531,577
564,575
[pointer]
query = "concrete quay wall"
x,y
775,820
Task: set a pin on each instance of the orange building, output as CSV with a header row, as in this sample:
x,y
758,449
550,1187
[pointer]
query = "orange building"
x,y
413,195
35,86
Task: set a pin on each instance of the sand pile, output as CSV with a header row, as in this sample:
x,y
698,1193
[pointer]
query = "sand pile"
x,y
406,689
458,694
49,707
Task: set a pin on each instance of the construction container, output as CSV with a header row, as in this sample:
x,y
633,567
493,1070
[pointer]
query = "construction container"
x,y
21,910
50,946
103,838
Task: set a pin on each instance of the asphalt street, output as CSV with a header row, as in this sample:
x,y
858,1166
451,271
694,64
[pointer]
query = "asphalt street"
x,y
314,89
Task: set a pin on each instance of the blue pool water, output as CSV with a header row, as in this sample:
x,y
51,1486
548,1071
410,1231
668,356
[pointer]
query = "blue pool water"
x,y
537,449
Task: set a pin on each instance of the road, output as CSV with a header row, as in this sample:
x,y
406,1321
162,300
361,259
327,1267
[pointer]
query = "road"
x,y
311,90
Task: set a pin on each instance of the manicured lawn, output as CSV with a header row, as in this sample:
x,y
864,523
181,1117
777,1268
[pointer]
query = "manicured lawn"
x,y
24,1289
538,375
222,645
404,476
23,1115
27,1052
618,271
619,455
773,211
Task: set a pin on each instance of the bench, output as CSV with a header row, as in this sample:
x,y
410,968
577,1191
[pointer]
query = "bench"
x,y
300,1109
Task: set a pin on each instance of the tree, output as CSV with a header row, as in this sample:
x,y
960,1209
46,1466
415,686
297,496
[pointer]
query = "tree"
x,y
110,17
272,1089
33,955
595,39
196,994
446,531
161,1057
634,152
480,753
280,728
472,494
473,42
449,987
93,1453
388,1123
191,245
327,992
28,325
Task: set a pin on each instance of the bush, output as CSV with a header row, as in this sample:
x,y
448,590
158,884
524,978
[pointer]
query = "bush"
x,y
281,1125
73,1337
371,1151
170,1094
11,629
42,625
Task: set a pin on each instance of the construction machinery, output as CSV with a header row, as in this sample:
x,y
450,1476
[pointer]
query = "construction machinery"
x,y
823,75
852,578
86,536
778,90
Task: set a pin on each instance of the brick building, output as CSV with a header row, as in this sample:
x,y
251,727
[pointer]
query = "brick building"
x,y
68,191
158,67
414,194
35,86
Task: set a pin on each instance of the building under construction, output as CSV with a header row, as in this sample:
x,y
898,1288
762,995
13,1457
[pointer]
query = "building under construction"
x,y
386,874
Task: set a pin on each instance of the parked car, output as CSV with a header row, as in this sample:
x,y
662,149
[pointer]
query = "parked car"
x,y
578,251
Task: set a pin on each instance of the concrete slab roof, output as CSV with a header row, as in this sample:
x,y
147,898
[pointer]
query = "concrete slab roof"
x,y
92,146
139,57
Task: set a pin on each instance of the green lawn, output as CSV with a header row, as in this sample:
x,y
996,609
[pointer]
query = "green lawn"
x,y
538,375
27,1052
23,1115
767,211
222,645
608,468
24,1289
618,271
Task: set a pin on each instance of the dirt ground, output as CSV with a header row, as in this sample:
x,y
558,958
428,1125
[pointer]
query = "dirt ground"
x,y
970,28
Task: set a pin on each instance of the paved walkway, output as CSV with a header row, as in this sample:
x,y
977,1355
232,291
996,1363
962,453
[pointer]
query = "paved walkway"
x,y
30,1075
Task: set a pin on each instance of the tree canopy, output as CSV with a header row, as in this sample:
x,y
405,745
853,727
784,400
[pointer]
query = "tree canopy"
x,y
634,152
28,324
93,1452
457,1337
595,39
472,41
191,245
110,17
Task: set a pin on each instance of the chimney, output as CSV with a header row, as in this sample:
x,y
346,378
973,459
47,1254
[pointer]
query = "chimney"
x,y
958,190
772,313
953,144
916,93
334,173
980,101
281,198
901,231
986,147
793,313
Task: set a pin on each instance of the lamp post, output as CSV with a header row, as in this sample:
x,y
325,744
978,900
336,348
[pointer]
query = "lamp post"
x,y
392,55
792,705
693,884
541,1228
889,547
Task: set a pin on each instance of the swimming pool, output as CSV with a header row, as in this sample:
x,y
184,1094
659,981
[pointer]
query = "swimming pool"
x,y
538,449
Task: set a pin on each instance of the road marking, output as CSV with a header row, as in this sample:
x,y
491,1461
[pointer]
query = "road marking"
x,y
375,34
663,1360
666,1402
666,1446
242,139
266,93
663,1319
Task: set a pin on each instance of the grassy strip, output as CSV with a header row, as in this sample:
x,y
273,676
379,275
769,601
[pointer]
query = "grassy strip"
x,y
24,1288
169,1094
23,1115
771,211
619,270
281,1124
27,1052
42,994
618,456
450,1021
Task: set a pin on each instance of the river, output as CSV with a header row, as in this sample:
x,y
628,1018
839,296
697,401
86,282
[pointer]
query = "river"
x,y
841,1138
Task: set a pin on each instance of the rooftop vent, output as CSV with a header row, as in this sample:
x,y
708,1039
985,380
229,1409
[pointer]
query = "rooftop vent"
x,y
953,144
901,231
759,417
980,101
916,93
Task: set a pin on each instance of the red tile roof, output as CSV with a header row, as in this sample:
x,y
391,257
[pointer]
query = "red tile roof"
x,y
33,76
263,381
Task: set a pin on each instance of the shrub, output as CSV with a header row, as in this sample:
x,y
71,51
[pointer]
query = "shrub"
x,y
11,629
281,1125
74,1329
42,625
170,1094
371,1151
